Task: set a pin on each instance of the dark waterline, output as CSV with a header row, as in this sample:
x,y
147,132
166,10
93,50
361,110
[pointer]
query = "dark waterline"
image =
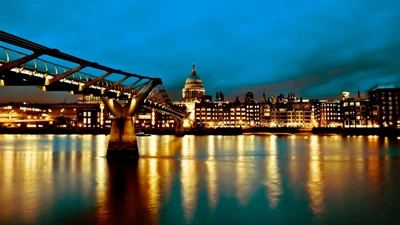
x,y
245,179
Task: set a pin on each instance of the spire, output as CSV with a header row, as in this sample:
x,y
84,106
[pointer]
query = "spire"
x,y
358,94
193,70
264,99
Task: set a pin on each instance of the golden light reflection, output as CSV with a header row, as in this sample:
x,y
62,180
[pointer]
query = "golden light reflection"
x,y
167,145
152,144
23,169
374,173
189,188
152,185
293,165
188,145
315,182
166,176
211,147
101,145
6,190
273,180
101,187
212,184
242,178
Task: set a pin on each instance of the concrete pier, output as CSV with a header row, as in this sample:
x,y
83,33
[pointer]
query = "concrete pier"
x,y
179,130
122,142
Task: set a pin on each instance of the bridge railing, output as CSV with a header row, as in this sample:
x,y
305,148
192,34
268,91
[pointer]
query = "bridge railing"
x,y
46,69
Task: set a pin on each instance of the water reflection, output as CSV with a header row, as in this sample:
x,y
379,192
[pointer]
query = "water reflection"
x,y
51,179
243,178
315,183
212,178
273,180
188,181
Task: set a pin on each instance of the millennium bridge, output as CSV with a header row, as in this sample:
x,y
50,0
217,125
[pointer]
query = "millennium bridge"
x,y
122,98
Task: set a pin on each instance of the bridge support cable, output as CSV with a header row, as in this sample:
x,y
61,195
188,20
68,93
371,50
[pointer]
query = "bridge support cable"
x,y
122,142
113,85
63,75
129,88
92,82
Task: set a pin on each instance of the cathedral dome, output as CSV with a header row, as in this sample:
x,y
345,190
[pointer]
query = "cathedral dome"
x,y
193,79
193,89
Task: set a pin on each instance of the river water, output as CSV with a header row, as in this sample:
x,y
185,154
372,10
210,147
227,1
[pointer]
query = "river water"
x,y
245,179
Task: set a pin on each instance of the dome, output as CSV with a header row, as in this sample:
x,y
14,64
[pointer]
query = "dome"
x,y
193,79
193,89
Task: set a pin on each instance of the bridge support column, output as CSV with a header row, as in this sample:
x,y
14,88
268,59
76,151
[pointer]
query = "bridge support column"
x,y
122,142
179,130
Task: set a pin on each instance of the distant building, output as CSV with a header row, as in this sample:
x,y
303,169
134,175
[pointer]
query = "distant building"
x,y
330,114
228,114
192,93
384,103
286,112
193,90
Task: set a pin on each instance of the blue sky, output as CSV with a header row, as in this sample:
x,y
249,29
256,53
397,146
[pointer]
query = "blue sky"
x,y
316,49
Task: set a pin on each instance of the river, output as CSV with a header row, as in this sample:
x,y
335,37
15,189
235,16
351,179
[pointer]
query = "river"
x,y
244,179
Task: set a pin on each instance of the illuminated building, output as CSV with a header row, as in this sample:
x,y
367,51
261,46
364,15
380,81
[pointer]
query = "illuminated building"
x,y
385,101
355,113
193,90
192,93
330,114
103,117
25,114
227,114
288,111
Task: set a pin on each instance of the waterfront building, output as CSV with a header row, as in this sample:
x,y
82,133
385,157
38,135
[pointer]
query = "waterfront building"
x,y
227,114
330,114
193,92
24,114
282,111
384,104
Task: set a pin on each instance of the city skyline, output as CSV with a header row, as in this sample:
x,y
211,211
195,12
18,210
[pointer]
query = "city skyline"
x,y
316,50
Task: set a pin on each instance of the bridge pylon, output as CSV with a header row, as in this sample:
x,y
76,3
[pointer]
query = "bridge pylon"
x,y
179,130
122,142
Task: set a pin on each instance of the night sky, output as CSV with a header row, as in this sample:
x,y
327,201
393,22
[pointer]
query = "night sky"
x,y
316,49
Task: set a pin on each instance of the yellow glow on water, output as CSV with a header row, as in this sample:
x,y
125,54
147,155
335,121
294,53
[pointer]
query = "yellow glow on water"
x,y
211,147
166,176
188,145
151,144
188,181
153,186
212,184
40,175
315,183
273,180
100,190
242,180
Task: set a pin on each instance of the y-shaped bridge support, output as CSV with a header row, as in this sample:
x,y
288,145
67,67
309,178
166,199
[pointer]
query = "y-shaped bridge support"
x,y
122,141
179,130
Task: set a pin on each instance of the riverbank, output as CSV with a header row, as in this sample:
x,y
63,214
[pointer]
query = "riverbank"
x,y
357,131
217,131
